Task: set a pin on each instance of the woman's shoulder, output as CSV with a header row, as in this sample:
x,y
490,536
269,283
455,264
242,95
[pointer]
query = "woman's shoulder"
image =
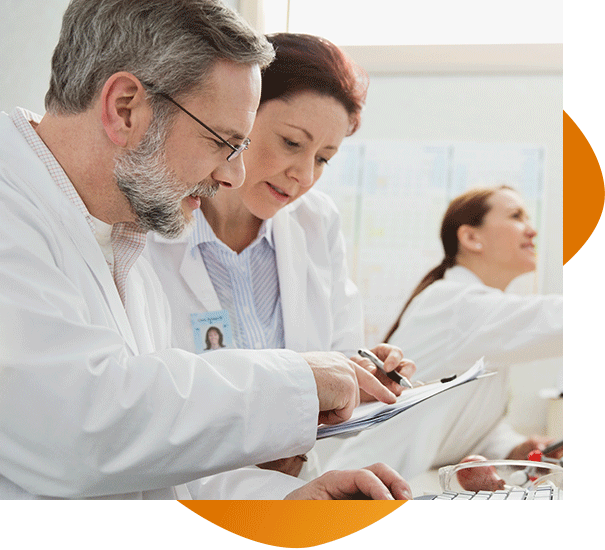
x,y
314,218
316,203
457,285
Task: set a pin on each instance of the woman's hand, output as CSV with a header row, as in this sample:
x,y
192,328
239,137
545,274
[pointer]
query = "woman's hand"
x,y
393,360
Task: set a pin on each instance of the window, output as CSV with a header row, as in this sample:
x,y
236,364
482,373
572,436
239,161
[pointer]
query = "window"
x,y
445,38
395,22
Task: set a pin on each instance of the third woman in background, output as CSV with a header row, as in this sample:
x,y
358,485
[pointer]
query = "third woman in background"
x,y
458,313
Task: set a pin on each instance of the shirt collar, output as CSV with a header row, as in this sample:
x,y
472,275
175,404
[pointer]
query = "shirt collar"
x,y
462,274
203,233
127,240
22,119
266,230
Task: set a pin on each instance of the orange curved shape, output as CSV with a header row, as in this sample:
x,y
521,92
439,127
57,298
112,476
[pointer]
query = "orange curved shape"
x,y
292,524
583,191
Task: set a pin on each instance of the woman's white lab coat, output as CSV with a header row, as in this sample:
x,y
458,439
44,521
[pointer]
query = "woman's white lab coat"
x,y
93,402
445,330
321,306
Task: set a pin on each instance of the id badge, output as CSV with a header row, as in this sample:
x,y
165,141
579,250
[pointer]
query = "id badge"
x,y
211,331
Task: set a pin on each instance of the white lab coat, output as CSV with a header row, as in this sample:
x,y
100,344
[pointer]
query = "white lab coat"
x,y
93,402
446,328
321,306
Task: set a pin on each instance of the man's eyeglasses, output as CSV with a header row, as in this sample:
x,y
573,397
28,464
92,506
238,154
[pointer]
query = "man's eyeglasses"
x,y
236,151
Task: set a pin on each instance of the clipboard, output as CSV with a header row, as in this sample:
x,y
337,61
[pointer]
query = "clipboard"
x,y
371,414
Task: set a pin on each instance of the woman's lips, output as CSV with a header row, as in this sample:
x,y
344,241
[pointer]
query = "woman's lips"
x,y
277,193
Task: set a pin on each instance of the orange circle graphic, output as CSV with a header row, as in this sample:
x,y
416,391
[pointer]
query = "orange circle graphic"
x,y
292,524
583,191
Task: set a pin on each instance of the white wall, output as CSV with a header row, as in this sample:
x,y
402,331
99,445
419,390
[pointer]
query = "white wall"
x,y
481,108
28,34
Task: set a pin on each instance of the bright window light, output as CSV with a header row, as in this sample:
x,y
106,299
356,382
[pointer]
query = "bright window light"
x,y
398,22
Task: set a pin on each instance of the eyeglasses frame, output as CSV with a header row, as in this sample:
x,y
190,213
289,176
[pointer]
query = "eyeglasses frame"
x,y
235,151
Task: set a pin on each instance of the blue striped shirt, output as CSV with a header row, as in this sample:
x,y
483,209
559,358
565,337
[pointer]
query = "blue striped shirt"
x,y
247,284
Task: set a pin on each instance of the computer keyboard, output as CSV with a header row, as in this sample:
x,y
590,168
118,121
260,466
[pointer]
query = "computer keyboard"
x,y
515,493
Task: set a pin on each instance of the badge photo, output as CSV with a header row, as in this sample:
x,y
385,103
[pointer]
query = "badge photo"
x,y
211,331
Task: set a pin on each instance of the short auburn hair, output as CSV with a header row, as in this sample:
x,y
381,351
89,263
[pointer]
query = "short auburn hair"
x,y
304,62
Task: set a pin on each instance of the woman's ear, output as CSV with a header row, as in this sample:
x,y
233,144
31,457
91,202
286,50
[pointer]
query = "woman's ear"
x,y
469,239
125,112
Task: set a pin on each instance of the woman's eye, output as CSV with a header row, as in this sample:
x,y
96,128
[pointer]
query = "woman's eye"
x,y
291,143
322,161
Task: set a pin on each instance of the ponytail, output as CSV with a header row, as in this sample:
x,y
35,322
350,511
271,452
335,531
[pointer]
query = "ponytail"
x,y
433,275
467,209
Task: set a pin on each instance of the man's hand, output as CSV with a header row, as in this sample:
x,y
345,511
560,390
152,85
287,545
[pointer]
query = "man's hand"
x,y
376,482
393,360
339,381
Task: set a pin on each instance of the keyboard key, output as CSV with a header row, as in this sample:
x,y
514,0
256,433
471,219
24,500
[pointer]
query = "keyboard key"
x,y
464,496
543,493
499,495
516,494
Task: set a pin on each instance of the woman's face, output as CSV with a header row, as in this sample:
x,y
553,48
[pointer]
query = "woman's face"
x,y
506,235
213,338
291,142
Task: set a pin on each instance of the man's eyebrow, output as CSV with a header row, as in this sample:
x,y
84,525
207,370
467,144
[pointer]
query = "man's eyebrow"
x,y
230,133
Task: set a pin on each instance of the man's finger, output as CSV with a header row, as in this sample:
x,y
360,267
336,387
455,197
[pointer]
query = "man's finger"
x,y
371,385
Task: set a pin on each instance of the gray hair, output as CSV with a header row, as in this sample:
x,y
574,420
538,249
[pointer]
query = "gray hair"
x,y
172,44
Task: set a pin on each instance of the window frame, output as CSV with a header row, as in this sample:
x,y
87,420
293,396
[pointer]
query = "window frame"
x,y
439,59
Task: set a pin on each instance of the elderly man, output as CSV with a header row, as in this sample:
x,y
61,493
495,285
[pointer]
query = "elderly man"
x,y
94,402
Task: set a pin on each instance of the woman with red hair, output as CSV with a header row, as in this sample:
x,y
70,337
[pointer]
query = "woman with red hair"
x,y
270,255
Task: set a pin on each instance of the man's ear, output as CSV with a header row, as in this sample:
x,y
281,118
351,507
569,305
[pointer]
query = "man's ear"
x,y
125,113
469,239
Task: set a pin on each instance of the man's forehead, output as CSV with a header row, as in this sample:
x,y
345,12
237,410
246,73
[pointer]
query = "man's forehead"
x,y
236,83
230,97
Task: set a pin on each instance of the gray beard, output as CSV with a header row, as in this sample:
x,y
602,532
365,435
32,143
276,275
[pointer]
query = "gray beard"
x,y
152,189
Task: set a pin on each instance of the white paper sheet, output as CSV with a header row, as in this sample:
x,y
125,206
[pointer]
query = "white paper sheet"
x,y
368,415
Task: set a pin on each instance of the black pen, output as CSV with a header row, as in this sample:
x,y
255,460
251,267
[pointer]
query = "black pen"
x,y
394,376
